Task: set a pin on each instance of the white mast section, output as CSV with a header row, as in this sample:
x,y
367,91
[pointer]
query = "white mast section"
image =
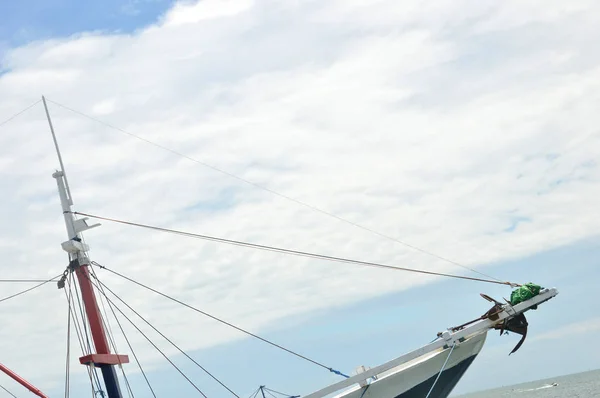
x,y
62,166
73,245
447,339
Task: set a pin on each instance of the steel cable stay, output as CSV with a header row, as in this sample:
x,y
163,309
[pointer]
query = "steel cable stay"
x,y
280,393
71,304
101,286
36,280
221,320
275,394
67,364
255,393
7,391
441,371
84,322
76,327
22,292
148,339
14,116
291,251
126,340
29,289
271,191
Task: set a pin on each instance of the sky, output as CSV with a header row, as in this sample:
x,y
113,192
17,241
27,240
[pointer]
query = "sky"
x,y
465,128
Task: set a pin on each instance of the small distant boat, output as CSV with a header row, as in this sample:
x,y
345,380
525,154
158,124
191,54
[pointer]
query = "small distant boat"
x,y
539,388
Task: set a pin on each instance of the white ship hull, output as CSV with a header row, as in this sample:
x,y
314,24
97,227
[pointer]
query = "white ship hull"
x,y
415,378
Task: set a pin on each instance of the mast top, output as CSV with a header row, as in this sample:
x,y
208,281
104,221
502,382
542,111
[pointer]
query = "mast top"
x,y
60,161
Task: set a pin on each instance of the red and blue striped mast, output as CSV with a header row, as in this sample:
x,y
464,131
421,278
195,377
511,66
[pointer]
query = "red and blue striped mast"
x,y
79,263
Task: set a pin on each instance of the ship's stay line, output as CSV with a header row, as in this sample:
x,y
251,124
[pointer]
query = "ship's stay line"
x,y
253,184
7,391
19,113
30,289
273,192
101,287
229,324
94,380
177,368
292,252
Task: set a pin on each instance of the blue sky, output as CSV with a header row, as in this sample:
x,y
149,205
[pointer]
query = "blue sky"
x,y
467,130
24,21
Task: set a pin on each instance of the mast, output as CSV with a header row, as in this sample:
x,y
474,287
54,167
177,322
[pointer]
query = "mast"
x,y
79,263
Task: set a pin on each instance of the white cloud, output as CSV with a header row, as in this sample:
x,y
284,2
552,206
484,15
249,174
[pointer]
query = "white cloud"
x,y
104,107
193,12
440,127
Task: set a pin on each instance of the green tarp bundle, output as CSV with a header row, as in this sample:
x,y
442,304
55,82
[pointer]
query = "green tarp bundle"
x,y
525,292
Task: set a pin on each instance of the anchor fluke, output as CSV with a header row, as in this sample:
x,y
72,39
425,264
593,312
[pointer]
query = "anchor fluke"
x,y
518,325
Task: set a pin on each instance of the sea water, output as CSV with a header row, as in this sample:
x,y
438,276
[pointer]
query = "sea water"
x,y
580,385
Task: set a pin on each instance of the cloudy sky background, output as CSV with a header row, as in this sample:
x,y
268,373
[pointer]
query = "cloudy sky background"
x,y
466,128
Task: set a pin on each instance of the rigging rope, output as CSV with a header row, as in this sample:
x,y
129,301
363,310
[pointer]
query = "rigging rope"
x,y
270,393
67,361
290,251
5,121
22,280
30,289
441,370
112,342
307,205
255,393
280,393
221,320
148,339
127,340
8,392
84,330
132,351
78,326
165,337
